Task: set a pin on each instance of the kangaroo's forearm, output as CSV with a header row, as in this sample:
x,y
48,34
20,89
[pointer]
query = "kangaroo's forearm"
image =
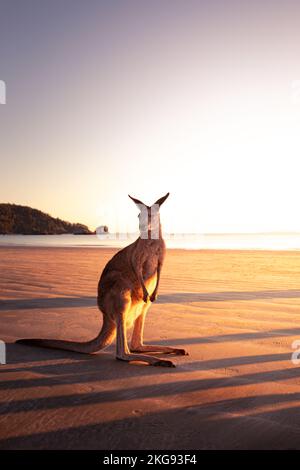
x,y
142,284
159,266
141,281
154,293
138,271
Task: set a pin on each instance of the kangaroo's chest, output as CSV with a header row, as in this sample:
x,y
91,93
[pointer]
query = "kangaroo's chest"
x,y
149,269
150,265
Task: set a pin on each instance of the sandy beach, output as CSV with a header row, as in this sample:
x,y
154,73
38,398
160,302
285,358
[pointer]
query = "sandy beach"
x,y
236,312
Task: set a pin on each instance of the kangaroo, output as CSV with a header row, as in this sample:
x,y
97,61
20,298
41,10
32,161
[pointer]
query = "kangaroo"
x,y
127,287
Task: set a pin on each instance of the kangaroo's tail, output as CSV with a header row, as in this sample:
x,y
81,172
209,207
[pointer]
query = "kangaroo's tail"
x,y
104,338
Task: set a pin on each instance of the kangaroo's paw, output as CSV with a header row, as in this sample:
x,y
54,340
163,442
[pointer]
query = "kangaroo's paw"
x,y
153,297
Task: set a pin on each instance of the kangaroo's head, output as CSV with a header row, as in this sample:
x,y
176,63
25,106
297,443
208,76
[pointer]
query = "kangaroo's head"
x,y
149,218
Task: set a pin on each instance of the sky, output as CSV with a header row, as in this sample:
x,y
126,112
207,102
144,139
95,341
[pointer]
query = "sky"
x,y
109,98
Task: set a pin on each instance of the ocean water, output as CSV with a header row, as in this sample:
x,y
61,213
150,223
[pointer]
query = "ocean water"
x,y
267,241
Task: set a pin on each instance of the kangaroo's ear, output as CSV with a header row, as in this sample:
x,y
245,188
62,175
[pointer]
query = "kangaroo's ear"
x,y
161,200
137,201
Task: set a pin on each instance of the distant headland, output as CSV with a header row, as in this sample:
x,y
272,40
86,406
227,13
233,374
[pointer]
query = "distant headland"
x,y
23,220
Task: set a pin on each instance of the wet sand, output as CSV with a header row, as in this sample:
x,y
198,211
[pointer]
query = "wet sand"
x,y
236,312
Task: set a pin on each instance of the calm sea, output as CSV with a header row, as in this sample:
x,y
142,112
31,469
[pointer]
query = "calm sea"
x,y
187,241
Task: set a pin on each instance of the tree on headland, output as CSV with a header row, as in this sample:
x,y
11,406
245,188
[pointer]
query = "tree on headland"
x,y
16,219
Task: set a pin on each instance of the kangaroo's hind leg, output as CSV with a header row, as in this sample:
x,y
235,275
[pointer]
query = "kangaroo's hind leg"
x,y
137,344
123,352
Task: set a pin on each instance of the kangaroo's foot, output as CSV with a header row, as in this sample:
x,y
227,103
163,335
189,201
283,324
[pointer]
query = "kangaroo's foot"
x,y
149,348
123,351
152,361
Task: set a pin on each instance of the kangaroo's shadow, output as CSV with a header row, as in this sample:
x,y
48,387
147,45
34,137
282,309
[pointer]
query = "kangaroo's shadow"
x,y
183,297
51,302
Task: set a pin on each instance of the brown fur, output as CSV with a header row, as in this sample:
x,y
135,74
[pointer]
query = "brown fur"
x,y
127,287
